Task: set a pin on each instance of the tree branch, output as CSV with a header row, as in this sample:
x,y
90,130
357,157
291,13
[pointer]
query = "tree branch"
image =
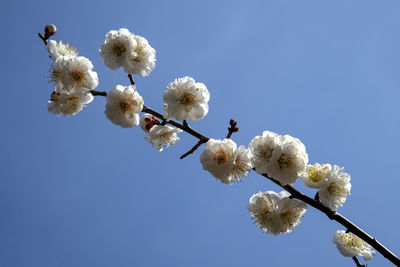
x,y
358,262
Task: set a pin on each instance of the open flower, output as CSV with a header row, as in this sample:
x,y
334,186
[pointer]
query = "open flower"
x,y
283,158
186,100
316,176
123,106
57,50
276,213
142,60
68,104
161,136
224,161
132,52
337,190
350,245
74,75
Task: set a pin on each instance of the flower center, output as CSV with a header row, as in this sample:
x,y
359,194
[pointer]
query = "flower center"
x,y
317,172
351,241
285,161
140,53
118,49
221,156
187,99
76,76
125,105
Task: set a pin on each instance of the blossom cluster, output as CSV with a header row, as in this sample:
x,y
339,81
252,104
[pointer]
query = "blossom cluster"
x,y
282,158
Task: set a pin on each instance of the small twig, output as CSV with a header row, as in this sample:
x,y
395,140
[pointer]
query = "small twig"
x,y
232,129
43,39
194,148
131,79
94,92
316,198
185,124
358,262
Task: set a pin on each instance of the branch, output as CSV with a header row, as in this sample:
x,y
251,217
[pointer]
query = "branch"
x,y
194,148
94,92
351,227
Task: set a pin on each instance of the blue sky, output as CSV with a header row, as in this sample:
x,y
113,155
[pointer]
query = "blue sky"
x,y
80,191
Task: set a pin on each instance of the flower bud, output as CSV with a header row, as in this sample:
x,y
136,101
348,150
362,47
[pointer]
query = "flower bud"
x,y
49,30
147,121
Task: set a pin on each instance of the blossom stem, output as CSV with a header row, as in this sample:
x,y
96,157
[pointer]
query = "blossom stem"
x,y
358,262
131,79
94,93
194,148
43,39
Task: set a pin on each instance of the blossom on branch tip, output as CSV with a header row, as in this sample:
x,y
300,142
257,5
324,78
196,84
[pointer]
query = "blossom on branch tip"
x,y
350,245
276,213
186,100
224,161
123,106
161,136
68,104
147,121
57,50
74,75
132,52
336,191
282,158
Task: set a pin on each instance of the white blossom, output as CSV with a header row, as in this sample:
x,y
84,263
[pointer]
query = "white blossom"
x,y
316,176
224,161
186,100
68,104
123,106
283,158
142,60
276,213
132,52
74,75
335,193
57,50
147,121
161,136
350,245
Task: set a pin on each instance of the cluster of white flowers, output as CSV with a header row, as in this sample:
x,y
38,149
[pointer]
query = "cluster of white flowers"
x,y
123,106
351,245
276,213
132,52
73,79
333,184
225,161
282,158
186,100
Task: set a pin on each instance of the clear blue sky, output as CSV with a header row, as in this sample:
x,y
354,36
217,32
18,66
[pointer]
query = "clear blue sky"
x,y
80,191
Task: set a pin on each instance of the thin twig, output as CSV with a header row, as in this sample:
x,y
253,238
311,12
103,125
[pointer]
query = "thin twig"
x,y
194,148
131,79
43,39
358,262
94,92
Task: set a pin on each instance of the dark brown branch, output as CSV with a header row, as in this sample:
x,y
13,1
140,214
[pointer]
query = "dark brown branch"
x,y
358,262
351,227
232,129
94,92
194,148
131,79
43,39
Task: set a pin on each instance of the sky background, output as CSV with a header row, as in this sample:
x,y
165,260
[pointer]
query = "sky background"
x,y
80,191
